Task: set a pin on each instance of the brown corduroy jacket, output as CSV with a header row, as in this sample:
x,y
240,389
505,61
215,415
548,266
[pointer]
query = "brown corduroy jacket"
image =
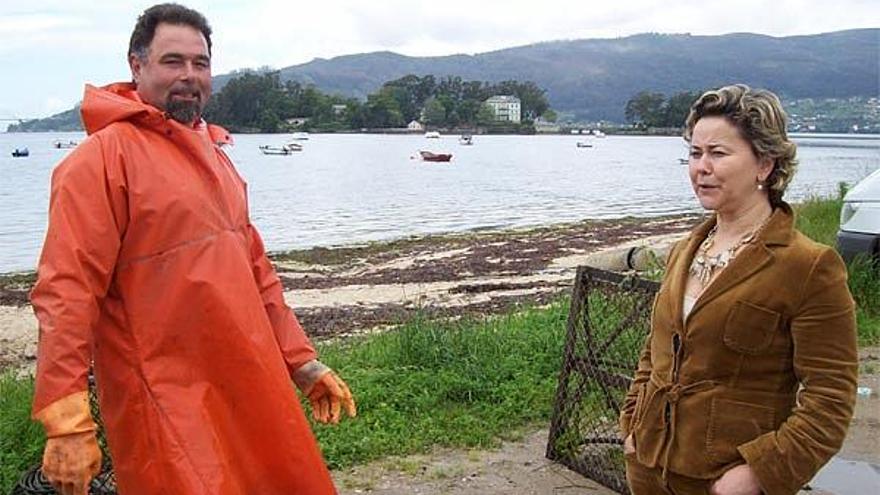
x,y
762,371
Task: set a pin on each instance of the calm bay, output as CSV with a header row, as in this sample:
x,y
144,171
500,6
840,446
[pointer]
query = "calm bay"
x,y
352,188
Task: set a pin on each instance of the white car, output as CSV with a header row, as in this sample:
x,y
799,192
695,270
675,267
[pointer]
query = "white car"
x,y
860,219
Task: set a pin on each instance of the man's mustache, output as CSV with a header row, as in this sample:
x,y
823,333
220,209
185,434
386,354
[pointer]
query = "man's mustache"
x,y
186,93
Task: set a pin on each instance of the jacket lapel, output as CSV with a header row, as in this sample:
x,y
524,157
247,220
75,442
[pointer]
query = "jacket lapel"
x,y
679,270
753,258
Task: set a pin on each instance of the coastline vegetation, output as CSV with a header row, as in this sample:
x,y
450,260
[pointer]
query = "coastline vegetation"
x,y
461,383
261,102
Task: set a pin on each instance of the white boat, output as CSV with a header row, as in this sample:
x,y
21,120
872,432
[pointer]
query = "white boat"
x,y
466,140
432,135
597,133
300,136
286,149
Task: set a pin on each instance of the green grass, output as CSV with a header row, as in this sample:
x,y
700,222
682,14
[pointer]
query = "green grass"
x,y
864,283
457,384
819,219
21,440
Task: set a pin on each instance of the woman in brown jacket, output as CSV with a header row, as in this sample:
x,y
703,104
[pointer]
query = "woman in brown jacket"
x,y
747,382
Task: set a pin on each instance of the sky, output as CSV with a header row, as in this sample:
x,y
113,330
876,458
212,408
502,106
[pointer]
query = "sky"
x,y
49,49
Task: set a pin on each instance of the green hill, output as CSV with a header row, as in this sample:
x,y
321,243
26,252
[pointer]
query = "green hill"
x,y
593,79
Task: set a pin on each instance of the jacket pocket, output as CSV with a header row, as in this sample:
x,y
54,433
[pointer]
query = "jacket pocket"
x,y
649,430
733,423
750,328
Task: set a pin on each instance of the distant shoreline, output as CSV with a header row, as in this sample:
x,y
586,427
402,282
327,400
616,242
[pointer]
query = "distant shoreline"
x,y
330,255
608,132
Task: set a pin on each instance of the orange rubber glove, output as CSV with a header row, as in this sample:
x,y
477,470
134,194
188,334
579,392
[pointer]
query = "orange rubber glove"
x,y
72,456
326,392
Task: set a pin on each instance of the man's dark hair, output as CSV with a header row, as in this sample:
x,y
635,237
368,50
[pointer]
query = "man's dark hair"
x,y
169,13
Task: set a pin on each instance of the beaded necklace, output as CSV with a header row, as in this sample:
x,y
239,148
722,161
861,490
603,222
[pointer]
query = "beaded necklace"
x,y
704,267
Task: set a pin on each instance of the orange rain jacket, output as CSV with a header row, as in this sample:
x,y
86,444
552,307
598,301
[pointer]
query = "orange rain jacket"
x,y
152,267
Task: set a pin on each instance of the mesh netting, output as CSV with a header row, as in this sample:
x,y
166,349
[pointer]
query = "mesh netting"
x,y
607,326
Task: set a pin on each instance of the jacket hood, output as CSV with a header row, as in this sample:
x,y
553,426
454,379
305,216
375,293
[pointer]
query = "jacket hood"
x,y
114,103
120,102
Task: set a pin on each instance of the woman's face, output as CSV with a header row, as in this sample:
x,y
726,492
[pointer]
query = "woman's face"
x,y
723,169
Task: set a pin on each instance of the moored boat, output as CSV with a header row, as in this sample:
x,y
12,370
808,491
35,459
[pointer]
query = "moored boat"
x,y
429,156
432,135
582,144
286,149
466,140
59,144
20,152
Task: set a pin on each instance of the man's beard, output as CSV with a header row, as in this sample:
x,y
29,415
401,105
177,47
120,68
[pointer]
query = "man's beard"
x,y
185,112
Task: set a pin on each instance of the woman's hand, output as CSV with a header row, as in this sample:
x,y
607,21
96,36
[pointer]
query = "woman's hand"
x,y
740,480
629,447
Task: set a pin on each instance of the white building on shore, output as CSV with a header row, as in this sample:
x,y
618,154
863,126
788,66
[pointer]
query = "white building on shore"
x,y
507,108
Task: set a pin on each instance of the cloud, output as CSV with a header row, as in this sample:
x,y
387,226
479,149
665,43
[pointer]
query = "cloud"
x,y
61,43
53,105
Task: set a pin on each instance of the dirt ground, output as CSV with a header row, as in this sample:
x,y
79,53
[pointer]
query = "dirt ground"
x,y
342,291
517,467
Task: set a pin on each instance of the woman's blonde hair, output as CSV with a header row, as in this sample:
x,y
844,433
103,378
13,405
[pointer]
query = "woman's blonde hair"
x,y
759,116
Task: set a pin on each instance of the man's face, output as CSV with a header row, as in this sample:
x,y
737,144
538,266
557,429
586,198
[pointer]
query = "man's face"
x,y
175,75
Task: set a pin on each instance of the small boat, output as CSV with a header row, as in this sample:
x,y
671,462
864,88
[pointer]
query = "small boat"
x,y
432,135
466,140
300,136
280,150
435,157
59,144
683,161
581,144
597,133
20,152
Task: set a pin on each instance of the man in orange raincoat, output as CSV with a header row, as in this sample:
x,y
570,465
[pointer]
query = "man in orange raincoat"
x,y
152,269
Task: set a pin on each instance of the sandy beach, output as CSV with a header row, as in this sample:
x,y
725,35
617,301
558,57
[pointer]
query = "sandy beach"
x,y
355,289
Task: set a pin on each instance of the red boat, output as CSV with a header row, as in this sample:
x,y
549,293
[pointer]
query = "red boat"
x,y
435,157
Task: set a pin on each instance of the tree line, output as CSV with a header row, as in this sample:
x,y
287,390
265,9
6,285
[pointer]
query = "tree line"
x,y
261,102
651,109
